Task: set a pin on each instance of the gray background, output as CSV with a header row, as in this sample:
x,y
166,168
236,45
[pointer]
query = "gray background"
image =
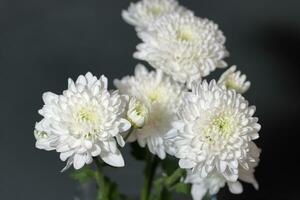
x,y
43,42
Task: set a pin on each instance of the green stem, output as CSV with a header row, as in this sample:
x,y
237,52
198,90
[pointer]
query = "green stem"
x,y
207,196
174,178
149,173
100,179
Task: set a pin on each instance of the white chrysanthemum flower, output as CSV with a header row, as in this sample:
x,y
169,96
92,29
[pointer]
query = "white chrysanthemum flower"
x,y
212,184
83,122
161,95
137,113
183,46
233,79
144,12
247,169
215,131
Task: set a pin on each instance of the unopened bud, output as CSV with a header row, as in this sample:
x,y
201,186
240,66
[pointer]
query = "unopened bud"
x,y
137,113
234,80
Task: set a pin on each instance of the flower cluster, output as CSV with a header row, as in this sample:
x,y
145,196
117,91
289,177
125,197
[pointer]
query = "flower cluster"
x,y
208,126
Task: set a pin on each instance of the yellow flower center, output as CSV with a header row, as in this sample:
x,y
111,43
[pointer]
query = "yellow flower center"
x,y
218,127
222,124
155,94
184,34
86,114
86,122
155,10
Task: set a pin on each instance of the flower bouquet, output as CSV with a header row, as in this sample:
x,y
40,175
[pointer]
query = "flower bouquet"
x,y
198,133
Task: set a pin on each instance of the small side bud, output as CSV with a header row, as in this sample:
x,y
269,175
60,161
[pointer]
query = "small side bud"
x,y
40,134
234,80
137,113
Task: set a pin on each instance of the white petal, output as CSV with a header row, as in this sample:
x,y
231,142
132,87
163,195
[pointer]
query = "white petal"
x,y
115,160
96,150
120,140
65,155
79,161
124,125
48,97
235,187
222,166
88,144
103,81
198,191
81,80
186,164
68,165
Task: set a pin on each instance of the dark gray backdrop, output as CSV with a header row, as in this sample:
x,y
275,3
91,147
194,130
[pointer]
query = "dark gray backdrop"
x,y
43,42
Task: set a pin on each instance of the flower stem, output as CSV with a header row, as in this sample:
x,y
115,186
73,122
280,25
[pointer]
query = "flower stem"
x,y
175,177
149,173
100,180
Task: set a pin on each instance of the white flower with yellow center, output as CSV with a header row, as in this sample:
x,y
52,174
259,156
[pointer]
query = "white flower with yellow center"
x,y
213,183
144,12
84,122
185,47
234,80
215,131
161,95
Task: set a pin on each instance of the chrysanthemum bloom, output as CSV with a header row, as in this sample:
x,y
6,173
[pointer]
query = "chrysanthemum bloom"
x,y
185,47
213,183
83,122
233,79
144,12
161,95
215,131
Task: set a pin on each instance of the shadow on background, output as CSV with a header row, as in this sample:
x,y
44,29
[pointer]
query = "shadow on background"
x,y
277,172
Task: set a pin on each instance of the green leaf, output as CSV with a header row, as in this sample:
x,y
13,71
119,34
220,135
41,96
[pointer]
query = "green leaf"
x,y
169,165
138,152
83,175
182,188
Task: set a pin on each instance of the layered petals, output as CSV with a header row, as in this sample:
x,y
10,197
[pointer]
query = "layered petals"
x,y
84,122
215,132
185,47
156,100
